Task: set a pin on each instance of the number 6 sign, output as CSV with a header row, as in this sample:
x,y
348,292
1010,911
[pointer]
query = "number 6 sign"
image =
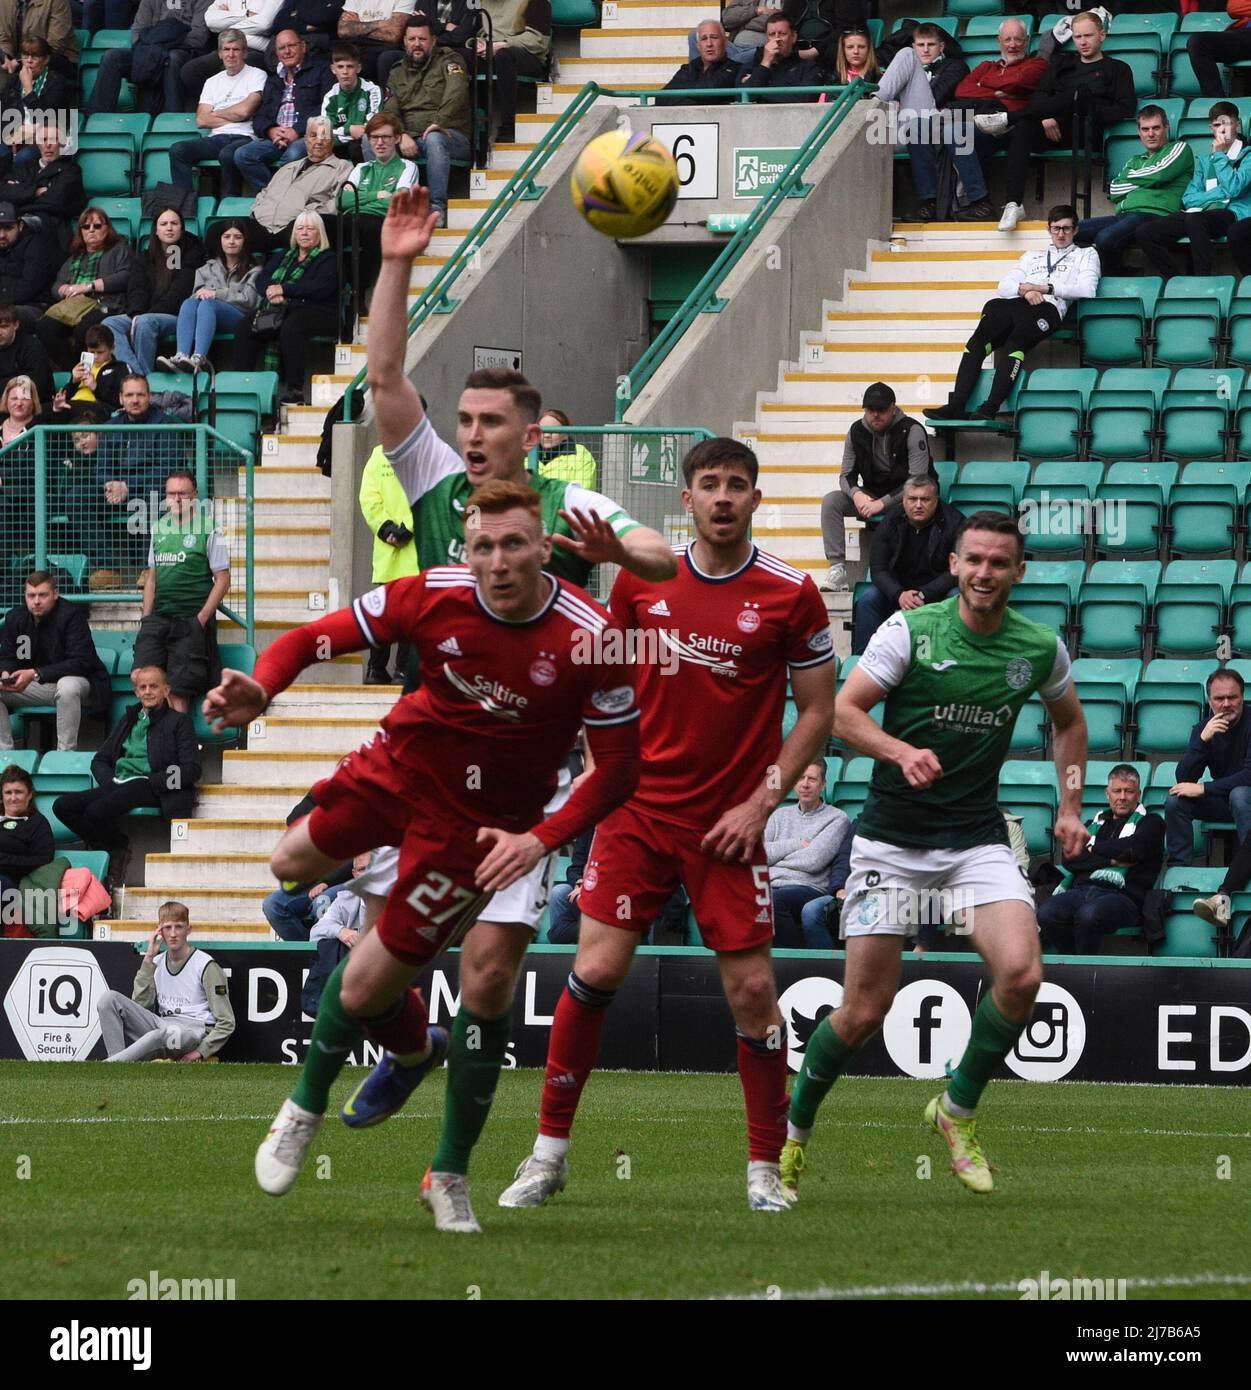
x,y
695,148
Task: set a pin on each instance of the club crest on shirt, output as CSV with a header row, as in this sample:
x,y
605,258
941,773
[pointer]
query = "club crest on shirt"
x,y
1018,673
749,619
375,601
614,701
542,670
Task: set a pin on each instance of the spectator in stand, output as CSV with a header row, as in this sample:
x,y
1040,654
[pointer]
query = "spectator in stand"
x,y
21,407
709,69
1149,186
881,452
778,65
856,58
160,30
40,94
429,92
343,918
83,499
314,20
1217,196
456,23
89,286
289,98
27,267
228,102
745,28
801,841
250,19
375,28
351,104
291,914
818,918
310,184
101,381
304,281
999,87
49,20
1220,744
26,842
1219,908
22,354
560,457
151,758
1107,882
224,294
1077,87
909,559
1232,45
820,24
385,506
564,917
923,79
47,657
366,195
1033,298
48,191
161,279
193,1019
522,48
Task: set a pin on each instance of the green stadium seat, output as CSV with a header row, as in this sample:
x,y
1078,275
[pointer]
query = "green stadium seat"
x,y
1051,411
1189,318
574,14
833,771
1043,603
124,213
1236,474
1055,517
985,23
1196,412
1012,473
977,497
1105,689
1029,733
975,10
1164,26
1242,426
1203,517
1144,60
1113,604
61,834
946,470
239,425
107,173
25,758
104,39
1129,518
1182,81
1184,933
64,772
1169,698
1069,573
1156,793
1114,328
1240,617
238,656
1030,790
156,168
1189,618
1123,407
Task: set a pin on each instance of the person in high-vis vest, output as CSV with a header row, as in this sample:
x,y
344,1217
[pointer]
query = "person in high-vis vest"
x,y
188,576
386,510
563,458
180,1009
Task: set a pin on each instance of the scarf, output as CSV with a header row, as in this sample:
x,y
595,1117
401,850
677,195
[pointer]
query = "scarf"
x,y
84,267
1112,876
292,267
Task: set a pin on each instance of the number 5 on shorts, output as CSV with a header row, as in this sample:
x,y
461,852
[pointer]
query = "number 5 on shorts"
x,y
760,877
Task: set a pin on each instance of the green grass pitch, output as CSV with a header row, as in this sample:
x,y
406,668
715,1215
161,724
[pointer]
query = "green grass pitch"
x,y
149,1167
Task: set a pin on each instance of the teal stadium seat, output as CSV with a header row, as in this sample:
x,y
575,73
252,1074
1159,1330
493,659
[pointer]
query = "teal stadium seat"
x,y
1123,408
1051,411
1190,606
1105,688
1182,81
1197,411
106,173
1168,700
1114,327
1189,320
1184,933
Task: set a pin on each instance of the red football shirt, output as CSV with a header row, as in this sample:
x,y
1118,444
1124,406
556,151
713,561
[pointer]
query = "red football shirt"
x,y
500,703
712,654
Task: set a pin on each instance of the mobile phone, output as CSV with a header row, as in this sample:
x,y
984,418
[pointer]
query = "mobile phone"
x,y
87,360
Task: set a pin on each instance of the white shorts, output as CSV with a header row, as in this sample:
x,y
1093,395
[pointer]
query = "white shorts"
x,y
524,901
892,890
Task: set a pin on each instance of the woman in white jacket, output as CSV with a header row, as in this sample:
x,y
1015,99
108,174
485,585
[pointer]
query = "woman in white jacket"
x,y
1033,299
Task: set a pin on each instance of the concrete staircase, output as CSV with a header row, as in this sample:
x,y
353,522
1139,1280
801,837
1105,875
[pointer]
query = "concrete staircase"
x,y
905,322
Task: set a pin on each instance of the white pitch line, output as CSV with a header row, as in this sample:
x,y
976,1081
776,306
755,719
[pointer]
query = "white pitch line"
x,y
823,1291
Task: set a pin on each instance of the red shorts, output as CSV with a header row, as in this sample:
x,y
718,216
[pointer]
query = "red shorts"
x,y
369,802
636,862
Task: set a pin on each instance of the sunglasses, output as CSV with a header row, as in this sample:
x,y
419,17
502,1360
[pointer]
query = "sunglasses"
x,y
92,226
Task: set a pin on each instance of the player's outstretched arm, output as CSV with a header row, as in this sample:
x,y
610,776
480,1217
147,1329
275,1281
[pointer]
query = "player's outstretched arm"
x,y
406,232
852,724
1069,745
235,702
736,833
642,551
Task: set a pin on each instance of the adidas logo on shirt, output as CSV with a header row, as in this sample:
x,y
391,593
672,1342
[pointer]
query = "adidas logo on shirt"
x,y
451,647
661,609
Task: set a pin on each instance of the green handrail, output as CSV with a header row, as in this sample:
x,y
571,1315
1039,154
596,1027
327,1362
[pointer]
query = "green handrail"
x,y
521,188
703,298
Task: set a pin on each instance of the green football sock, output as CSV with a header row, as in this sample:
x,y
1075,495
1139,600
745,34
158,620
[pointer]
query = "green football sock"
x,y
335,1034
473,1069
992,1038
825,1059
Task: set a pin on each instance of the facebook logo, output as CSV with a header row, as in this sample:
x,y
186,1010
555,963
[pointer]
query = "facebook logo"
x,y
927,1026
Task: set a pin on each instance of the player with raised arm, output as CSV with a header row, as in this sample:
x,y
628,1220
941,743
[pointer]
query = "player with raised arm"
x,y
497,424
457,776
714,768
954,676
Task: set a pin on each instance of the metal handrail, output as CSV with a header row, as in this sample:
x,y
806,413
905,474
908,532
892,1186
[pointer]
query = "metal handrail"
x,y
521,188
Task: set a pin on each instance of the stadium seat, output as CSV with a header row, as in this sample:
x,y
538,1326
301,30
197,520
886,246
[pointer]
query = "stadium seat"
x,y
976,11
61,834
1122,420
1029,789
25,758
1054,507
946,470
1169,698
1114,328
1182,81
64,772
1190,606
156,168
1029,733
978,497
1113,604
124,213
1143,56
1184,933
1189,318
1240,616
1130,510
1105,688
1051,411
1196,412
107,173
1203,517
1010,473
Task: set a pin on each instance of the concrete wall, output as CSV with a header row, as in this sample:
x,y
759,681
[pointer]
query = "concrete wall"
x,y
775,292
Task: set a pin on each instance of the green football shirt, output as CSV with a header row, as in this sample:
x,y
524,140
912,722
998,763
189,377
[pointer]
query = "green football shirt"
x,y
958,693
433,476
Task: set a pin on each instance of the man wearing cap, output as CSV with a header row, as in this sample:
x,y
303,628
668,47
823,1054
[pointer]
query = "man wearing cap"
x,y
881,452
28,265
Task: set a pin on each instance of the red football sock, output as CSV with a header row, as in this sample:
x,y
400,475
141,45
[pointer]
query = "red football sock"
x,y
577,1028
402,1029
762,1070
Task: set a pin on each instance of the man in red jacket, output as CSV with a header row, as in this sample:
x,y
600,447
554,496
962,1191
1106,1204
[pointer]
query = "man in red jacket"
x,y
1002,85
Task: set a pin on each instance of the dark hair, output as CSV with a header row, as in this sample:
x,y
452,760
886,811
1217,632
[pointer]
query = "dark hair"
x,y
712,453
417,20
183,473
1224,108
1225,673
774,15
99,336
8,314
132,376
498,496
995,522
1061,210
346,51
239,224
525,397
35,47
37,577
559,414
1151,113
1124,772
111,235
13,773
159,268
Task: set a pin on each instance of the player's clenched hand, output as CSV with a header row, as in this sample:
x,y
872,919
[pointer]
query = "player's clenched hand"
x,y
235,701
1071,834
408,225
920,766
593,539
511,857
736,834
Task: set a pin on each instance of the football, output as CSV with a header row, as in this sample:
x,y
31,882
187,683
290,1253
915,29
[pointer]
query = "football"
x,y
625,184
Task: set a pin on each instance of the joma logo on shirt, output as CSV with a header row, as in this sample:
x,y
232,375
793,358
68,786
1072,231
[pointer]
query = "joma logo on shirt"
x,y
972,717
